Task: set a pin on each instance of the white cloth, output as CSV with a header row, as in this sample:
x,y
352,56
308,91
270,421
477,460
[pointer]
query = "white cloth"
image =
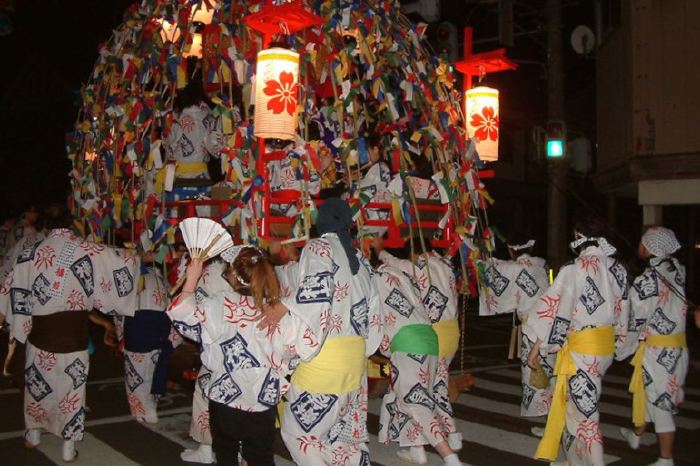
x,y
407,413
195,135
590,292
54,391
374,184
656,310
327,428
660,241
436,282
514,286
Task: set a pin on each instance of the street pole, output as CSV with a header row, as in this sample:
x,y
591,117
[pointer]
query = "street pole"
x,y
557,227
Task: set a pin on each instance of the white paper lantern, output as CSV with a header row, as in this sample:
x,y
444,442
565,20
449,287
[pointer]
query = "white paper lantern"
x,y
276,93
481,109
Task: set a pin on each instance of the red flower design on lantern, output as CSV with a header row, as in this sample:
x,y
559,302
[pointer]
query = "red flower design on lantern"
x,y
283,93
485,124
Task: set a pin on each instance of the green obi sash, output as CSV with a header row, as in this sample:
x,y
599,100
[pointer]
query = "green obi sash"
x,y
416,339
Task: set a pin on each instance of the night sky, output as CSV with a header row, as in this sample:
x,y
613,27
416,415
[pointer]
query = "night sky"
x,y
54,46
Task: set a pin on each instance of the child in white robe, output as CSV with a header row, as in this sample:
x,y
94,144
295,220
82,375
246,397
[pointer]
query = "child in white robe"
x,y
657,332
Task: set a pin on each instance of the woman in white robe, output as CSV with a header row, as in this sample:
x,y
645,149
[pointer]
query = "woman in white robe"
x,y
657,333
582,316
248,365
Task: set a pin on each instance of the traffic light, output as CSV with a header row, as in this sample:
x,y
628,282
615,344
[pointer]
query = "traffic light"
x,y
446,35
556,139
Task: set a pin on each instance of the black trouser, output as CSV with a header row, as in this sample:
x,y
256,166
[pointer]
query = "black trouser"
x,y
253,433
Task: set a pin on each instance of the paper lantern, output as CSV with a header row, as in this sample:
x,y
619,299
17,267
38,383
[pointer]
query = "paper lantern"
x,y
481,110
276,93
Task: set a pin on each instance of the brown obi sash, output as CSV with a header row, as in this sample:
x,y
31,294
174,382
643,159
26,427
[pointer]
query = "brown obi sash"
x,y
62,332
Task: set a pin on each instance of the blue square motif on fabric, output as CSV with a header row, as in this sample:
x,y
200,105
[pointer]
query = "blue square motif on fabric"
x,y
124,281
590,296
310,409
236,354
224,390
528,395
35,383
193,332
418,395
20,302
41,289
133,378
668,359
583,393
495,281
665,403
662,324
557,335
441,395
420,358
646,286
270,391
398,302
84,273
398,420
316,288
527,283
359,317
77,371
27,253
435,303
74,429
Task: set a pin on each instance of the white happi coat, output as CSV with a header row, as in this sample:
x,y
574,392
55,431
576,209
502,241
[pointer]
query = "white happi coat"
x,y
330,429
139,367
590,292
283,175
63,273
516,286
407,413
656,310
248,365
438,291
195,135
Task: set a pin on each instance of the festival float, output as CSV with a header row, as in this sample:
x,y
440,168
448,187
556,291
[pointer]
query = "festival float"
x,y
296,92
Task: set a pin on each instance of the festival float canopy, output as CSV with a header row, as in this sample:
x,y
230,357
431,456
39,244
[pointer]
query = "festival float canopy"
x,y
362,67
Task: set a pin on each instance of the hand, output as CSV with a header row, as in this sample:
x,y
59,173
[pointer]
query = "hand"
x,y
697,317
534,355
192,275
291,251
271,315
110,336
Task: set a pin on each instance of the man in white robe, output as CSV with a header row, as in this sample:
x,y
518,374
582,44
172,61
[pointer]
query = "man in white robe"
x,y
582,316
46,299
515,285
657,333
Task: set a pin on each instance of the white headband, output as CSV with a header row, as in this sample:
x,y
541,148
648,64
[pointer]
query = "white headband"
x,y
231,254
608,249
518,247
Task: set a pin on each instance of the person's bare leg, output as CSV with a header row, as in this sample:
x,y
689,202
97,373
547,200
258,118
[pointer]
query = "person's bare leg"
x,y
666,444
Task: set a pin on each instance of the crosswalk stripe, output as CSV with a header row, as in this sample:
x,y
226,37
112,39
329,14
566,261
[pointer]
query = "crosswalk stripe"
x,y
513,410
91,451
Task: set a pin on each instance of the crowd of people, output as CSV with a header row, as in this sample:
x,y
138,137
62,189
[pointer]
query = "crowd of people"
x,y
285,336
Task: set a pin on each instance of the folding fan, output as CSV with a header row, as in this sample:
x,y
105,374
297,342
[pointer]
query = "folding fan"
x,y
204,237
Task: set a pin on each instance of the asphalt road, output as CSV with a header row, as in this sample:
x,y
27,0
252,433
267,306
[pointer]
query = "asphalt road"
x,y
494,433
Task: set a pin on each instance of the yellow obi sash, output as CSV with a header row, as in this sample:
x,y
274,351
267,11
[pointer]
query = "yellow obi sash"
x,y
336,369
448,336
591,341
190,168
636,387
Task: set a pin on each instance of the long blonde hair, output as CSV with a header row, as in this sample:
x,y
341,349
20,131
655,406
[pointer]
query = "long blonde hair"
x,y
252,274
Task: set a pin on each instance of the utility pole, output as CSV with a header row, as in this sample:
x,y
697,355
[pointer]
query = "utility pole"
x,y
557,226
